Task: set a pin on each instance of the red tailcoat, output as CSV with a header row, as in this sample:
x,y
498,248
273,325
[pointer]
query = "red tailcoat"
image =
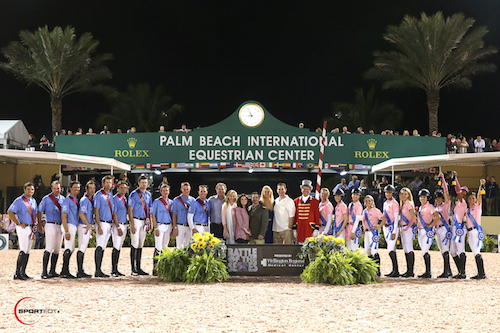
x,y
306,215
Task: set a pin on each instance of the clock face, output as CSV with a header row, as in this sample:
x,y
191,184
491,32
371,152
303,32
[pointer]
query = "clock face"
x,y
251,115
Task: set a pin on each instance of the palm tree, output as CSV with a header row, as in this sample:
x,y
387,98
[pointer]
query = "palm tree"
x,y
58,62
140,107
432,53
366,111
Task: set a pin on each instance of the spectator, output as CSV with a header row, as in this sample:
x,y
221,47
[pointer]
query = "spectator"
x,y
63,132
353,184
70,132
471,145
451,144
32,141
79,131
415,184
7,226
479,144
342,185
301,125
183,129
494,144
396,132
336,130
488,147
162,129
371,132
104,130
359,130
319,130
415,133
434,134
241,220
498,146
133,129
91,131
406,133
44,143
345,130
462,146
491,193
119,131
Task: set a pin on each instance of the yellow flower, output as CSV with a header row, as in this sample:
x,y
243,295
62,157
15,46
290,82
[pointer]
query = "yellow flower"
x,y
197,236
205,238
311,239
211,246
206,233
201,245
342,241
215,240
337,240
193,246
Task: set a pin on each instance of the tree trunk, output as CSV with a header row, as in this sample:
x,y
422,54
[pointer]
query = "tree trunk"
x,y
56,106
433,105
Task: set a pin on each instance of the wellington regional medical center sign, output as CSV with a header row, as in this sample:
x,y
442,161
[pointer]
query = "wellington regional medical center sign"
x,y
250,137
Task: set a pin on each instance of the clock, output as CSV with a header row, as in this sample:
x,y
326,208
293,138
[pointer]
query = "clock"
x,y
251,115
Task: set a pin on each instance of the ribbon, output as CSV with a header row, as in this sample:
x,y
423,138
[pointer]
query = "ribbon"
x,y
358,233
376,237
391,225
428,231
446,225
147,225
34,227
335,229
165,204
105,195
459,229
56,202
480,235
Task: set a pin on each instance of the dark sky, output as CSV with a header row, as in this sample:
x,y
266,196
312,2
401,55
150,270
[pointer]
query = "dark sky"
x,y
295,57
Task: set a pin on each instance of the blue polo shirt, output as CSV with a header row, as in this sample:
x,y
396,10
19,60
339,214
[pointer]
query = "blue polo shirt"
x,y
179,209
102,205
120,208
199,214
160,211
52,212
135,202
87,208
20,208
215,209
71,208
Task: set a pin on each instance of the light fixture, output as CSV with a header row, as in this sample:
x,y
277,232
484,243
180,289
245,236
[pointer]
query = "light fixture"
x,y
157,172
250,170
343,173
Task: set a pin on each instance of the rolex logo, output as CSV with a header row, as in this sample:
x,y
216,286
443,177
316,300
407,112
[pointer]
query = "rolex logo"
x,y
371,143
133,141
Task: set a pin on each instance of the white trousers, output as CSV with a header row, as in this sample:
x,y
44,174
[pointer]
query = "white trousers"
x,y
69,244
184,235
118,240
370,251
457,248
341,234
137,239
441,239
24,237
53,237
202,228
83,238
351,244
473,238
422,240
102,240
391,243
162,241
407,239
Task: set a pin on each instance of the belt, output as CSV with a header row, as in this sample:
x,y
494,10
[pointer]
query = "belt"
x,y
470,229
186,225
140,218
53,222
440,226
164,222
106,221
124,223
205,225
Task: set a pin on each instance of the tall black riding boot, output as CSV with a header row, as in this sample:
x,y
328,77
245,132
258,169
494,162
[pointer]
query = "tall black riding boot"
x,y
19,267
79,259
376,258
25,263
456,259
138,261
46,257
65,270
133,255
395,269
410,263
98,262
53,263
155,261
447,268
427,274
115,257
480,268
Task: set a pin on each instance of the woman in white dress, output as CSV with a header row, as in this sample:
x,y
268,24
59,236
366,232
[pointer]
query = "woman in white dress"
x,y
228,215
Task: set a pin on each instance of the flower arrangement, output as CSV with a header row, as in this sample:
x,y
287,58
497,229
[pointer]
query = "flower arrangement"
x,y
327,244
206,243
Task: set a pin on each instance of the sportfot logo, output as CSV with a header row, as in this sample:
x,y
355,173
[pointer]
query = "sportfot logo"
x,y
372,143
132,143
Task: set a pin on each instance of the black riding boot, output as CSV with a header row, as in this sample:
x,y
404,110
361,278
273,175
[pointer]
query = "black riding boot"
x,y
155,261
46,258
395,269
376,257
133,255
456,259
427,274
25,263
79,259
65,270
19,267
98,262
480,268
53,263
138,261
410,263
447,268
115,256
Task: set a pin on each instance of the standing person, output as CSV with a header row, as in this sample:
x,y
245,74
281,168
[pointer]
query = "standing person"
x,y
457,246
443,230
267,199
139,206
228,211
284,214
491,193
258,215
353,229
479,144
241,220
180,208
104,217
340,216
390,228
306,213
69,227
120,202
162,222
198,213
354,183
475,234
215,203
51,206
325,212
408,228
371,217
84,226
427,220
26,221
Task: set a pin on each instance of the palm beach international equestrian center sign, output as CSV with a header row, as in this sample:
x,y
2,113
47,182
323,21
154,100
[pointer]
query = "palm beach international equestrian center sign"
x,y
250,137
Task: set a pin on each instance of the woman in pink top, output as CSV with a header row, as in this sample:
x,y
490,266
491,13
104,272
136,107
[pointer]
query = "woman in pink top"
x,y
371,216
408,228
353,229
443,230
241,225
427,219
340,218
475,233
458,230
325,212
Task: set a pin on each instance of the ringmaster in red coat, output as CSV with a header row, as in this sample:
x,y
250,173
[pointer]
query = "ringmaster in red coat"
x,y
306,213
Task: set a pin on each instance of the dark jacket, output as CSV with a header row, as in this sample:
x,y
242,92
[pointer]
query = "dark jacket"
x,y
259,217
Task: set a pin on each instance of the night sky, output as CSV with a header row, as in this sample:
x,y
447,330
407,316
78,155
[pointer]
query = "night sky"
x,y
294,57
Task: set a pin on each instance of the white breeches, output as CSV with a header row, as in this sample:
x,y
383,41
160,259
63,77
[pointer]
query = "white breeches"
x,y
162,241
407,239
137,239
391,243
184,235
424,242
473,238
24,237
53,237
441,239
69,244
457,248
102,240
83,238
370,250
118,240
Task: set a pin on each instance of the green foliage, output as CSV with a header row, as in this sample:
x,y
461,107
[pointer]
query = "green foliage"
x,y
333,268
206,268
206,243
365,269
172,265
327,244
